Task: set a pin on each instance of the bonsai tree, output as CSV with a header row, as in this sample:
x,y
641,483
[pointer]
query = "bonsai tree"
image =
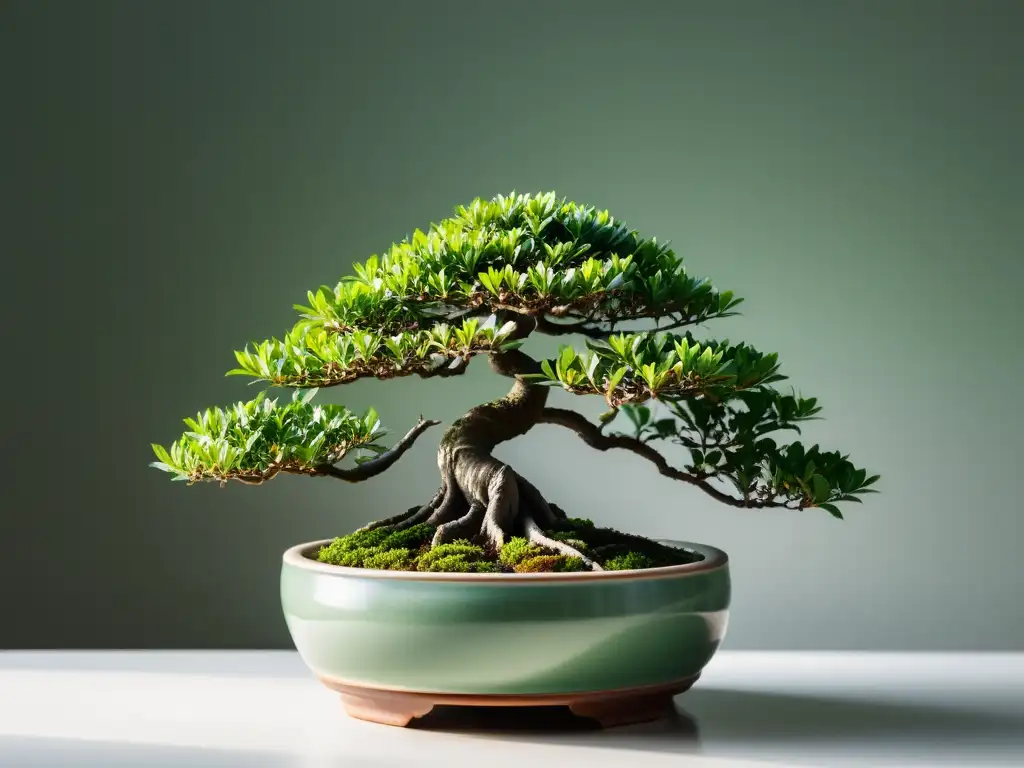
x,y
481,283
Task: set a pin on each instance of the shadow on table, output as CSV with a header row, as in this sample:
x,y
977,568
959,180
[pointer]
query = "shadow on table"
x,y
708,717
538,720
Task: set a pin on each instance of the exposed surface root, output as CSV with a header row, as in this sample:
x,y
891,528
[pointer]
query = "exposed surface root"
x,y
502,506
508,504
406,518
466,527
535,535
529,550
534,500
452,505
482,499
483,504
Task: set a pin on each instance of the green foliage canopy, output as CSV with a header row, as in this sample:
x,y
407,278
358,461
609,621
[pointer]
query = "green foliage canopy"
x,y
430,303
253,441
536,254
728,440
634,367
419,306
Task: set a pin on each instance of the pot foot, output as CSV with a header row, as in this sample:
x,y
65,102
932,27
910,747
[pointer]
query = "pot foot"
x,y
386,707
608,708
625,710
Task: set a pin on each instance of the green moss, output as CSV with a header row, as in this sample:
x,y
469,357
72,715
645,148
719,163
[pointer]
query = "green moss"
x,y
571,564
539,564
374,548
458,547
409,538
516,550
459,556
628,562
373,538
446,564
409,549
340,552
608,544
389,560
569,537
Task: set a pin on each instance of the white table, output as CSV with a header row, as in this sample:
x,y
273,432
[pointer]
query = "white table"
x,y
258,709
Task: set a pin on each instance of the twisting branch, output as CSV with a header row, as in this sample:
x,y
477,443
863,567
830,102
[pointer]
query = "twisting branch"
x,y
583,327
378,464
513,363
592,436
591,330
454,367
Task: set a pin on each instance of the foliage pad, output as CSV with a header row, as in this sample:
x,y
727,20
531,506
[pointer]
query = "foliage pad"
x,y
255,440
536,254
480,282
634,367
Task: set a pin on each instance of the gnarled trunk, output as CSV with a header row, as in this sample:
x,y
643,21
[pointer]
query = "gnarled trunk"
x,y
482,498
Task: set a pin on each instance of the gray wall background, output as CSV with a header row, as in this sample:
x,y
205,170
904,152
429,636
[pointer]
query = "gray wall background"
x,y
177,174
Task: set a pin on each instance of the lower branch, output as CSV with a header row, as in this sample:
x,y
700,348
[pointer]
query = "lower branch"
x,y
378,464
583,327
592,436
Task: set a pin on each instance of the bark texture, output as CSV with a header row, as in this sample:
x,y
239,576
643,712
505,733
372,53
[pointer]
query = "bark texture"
x,y
481,498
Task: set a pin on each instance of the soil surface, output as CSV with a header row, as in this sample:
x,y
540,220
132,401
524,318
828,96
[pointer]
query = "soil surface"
x,y
411,549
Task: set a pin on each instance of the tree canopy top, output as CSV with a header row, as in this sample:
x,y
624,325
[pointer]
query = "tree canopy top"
x,y
539,255
478,283
424,305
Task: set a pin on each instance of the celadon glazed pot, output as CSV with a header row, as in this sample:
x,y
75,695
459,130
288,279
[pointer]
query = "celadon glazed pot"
x,y
612,645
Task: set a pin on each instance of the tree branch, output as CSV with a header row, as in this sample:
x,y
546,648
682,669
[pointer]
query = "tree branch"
x,y
513,363
378,464
590,330
592,436
583,327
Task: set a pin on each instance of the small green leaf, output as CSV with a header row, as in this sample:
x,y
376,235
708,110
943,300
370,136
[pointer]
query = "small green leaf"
x,y
638,414
371,420
821,488
615,377
566,357
161,453
832,509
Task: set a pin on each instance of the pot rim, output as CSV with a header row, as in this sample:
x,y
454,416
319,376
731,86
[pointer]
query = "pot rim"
x,y
713,559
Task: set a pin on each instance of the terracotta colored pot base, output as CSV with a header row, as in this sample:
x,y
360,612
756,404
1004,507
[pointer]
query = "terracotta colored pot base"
x,y
608,708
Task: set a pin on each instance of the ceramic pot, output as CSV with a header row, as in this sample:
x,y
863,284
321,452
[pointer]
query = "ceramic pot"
x,y
502,638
